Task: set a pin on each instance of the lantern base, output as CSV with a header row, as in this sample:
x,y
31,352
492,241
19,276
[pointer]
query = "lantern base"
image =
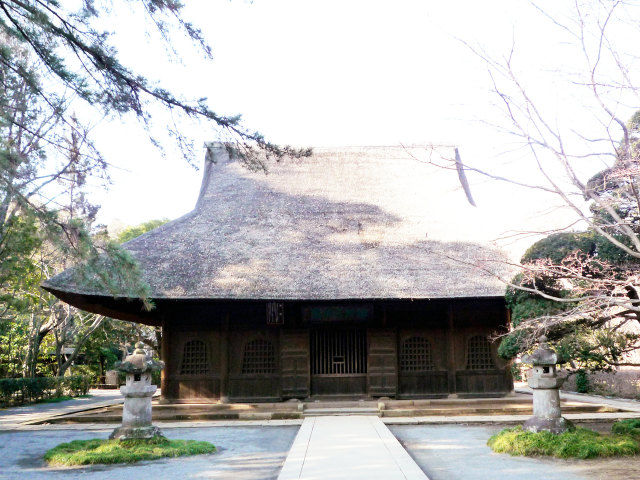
x,y
554,425
140,433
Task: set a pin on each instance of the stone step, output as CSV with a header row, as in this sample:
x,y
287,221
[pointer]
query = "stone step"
x,y
340,404
512,405
512,410
110,417
323,412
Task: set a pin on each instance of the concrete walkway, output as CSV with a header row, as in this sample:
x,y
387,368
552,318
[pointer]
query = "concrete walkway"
x,y
349,448
622,403
12,418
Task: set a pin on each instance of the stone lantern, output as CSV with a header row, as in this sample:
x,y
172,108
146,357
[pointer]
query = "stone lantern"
x,y
136,414
545,383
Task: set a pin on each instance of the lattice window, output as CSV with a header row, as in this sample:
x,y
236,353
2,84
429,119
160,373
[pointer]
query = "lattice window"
x,y
479,354
415,355
259,357
338,352
194,358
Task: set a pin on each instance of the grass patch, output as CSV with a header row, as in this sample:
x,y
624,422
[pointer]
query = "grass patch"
x,y
631,426
579,443
89,452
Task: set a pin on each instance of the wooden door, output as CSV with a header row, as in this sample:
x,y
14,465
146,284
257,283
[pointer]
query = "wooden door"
x,y
294,363
339,362
383,361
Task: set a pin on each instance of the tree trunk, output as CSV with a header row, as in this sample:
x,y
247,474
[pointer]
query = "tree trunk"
x,y
79,343
37,334
35,340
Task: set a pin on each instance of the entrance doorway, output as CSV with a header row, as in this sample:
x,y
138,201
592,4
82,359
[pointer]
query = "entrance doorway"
x,y
338,362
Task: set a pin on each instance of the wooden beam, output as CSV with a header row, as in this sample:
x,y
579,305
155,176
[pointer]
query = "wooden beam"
x,y
451,353
166,358
224,361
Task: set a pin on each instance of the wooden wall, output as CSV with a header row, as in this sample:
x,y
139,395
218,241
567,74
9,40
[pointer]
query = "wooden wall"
x,y
198,385
398,336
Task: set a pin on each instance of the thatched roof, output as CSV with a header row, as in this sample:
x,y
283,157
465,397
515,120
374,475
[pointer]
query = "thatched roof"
x,y
347,223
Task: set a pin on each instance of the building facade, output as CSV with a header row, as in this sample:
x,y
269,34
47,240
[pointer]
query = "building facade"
x,y
356,273
280,350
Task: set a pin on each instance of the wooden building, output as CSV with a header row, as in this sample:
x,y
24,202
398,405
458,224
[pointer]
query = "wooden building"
x,y
359,272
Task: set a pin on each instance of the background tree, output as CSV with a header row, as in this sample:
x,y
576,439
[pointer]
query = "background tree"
x,y
41,335
100,340
129,233
45,226
77,56
55,61
579,288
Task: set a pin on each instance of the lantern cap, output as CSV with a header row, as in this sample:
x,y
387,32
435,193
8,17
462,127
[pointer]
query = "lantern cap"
x,y
543,355
139,362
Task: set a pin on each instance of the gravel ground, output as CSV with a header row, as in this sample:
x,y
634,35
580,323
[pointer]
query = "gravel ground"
x,y
244,453
444,452
456,452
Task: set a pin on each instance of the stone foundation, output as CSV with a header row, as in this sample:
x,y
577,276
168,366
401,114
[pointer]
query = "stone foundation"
x,y
553,425
137,433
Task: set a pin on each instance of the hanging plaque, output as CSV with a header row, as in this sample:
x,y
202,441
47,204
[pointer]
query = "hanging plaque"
x,y
275,313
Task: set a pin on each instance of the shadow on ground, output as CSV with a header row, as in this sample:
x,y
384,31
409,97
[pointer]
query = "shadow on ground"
x,y
245,453
459,452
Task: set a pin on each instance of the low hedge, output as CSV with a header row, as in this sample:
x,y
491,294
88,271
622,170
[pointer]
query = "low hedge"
x,y
18,391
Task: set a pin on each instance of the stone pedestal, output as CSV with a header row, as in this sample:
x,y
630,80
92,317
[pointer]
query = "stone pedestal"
x,y
543,380
111,378
138,393
547,414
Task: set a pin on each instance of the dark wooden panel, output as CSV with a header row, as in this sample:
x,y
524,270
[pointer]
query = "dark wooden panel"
x,y
195,388
382,363
345,385
254,387
421,384
294,364
483,382
170,388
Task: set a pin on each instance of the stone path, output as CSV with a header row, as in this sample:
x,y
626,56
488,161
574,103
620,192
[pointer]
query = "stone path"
x,y
11,418
349,448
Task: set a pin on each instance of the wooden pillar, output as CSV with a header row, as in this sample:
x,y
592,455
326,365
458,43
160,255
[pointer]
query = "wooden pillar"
x,y
451,354
166,358
224,361
509,375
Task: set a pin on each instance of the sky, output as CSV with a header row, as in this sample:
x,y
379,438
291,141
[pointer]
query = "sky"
x,y
330,73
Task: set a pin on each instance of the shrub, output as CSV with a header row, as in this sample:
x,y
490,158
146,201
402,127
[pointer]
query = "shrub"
x,y
516,372
578,443
630,426
86,371
16,391
156,377
9,387
38,388
77,385
582,381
